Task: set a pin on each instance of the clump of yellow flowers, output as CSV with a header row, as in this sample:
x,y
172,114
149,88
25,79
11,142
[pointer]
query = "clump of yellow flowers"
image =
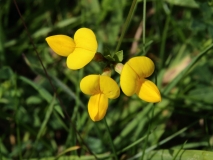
x,y
82,49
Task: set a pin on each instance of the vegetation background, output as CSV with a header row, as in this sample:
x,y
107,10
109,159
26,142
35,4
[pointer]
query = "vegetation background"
x,y
34,125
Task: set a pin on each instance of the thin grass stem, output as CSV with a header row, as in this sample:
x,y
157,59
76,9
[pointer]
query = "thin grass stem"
x,y
126,24
144,51
163,42
144,27
110,139
148,133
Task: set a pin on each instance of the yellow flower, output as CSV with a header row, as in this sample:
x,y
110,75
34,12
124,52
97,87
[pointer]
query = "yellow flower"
x,y
100,88
132,79
79,51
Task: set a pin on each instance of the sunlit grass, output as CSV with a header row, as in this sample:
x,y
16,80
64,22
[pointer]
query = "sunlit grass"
x,y
38,122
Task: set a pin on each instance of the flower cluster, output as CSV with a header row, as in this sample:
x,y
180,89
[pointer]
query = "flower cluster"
x,y
82,49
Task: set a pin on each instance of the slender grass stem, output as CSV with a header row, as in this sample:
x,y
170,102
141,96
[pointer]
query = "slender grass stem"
x,y
126,24
163,42
144,27
207,132
148,132
144,50
110,139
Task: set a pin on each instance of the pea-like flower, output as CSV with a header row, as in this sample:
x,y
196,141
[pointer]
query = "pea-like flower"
x,y
79,51
100,88
132,79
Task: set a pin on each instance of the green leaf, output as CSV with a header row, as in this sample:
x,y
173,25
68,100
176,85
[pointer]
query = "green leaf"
x,y
198,25
73,157
185,3
47,117
67,22
5,73
210,30
33,100
67,90
43,92
202,93
106,52
68,150
182,155
109,57
119,56
59,110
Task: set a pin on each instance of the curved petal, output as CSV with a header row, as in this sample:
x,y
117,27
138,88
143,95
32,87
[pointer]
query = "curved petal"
x,y
61,44
128,80
143,66
97,106
79,58
148,91
109,87
85,39
90,84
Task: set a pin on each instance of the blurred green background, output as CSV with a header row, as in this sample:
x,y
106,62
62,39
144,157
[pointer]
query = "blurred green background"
x,y
34,125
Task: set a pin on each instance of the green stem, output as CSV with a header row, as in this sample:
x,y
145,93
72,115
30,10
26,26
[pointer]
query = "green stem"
x,y
144,51
163,41
126,24
144,27
110,139
207,132
148,132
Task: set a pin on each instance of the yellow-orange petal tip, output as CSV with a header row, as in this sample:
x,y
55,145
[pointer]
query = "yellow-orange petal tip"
x,y
149,92
61,44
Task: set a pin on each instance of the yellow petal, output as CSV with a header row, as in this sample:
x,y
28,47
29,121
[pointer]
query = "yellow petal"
x,y
109,87
85,49
148,91
97,106
79,58
61,44
85,39
143,66
90,84
128,80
